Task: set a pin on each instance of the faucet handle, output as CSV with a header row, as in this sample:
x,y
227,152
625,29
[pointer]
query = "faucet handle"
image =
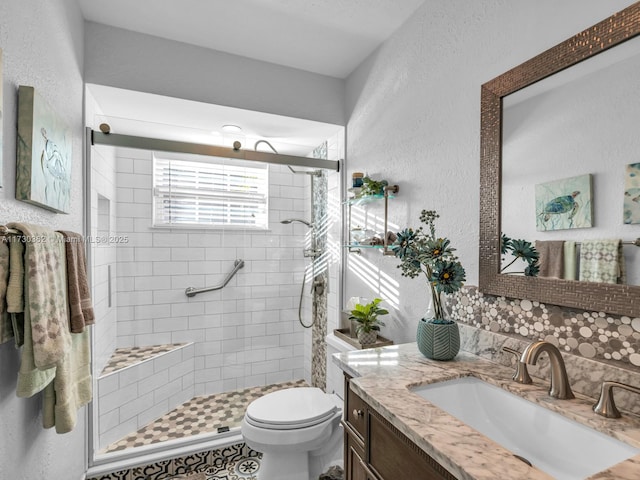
x,y
605,405
522,374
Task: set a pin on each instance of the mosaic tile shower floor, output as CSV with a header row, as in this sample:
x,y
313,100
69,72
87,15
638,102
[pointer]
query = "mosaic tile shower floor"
x,y
203,414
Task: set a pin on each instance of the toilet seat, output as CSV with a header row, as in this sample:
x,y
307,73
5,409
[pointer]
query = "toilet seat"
x,y
291,409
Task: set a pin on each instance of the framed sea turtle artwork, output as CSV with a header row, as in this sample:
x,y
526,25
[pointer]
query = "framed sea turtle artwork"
x,y
43,165
632,194
564,204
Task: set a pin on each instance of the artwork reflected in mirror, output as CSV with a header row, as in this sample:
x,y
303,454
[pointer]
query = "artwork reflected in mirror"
x,y
571,111
632,194
564,204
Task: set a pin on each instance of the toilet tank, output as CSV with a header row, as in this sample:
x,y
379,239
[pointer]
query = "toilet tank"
x,y
335,376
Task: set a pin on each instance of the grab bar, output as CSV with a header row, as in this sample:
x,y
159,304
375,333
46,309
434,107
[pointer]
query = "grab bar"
x,y
192,291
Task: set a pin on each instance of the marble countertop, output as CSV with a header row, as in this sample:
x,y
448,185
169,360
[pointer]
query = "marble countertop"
x,y
384,376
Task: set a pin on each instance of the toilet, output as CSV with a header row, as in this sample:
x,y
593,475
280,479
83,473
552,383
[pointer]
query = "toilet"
x,y
297,430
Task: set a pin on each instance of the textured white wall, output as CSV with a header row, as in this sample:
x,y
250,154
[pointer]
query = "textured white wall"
x,y
124,59
413,110
42,44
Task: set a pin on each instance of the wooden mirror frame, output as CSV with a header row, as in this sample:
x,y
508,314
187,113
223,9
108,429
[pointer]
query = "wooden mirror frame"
x,y
611,298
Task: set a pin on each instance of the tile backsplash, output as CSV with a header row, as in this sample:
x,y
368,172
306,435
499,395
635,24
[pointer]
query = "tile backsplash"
x,y
594,335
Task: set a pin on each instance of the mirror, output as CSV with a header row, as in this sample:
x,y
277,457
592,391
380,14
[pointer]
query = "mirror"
x,y
567,134
504,162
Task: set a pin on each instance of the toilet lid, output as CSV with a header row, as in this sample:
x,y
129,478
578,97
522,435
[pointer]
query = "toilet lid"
x,y
291,408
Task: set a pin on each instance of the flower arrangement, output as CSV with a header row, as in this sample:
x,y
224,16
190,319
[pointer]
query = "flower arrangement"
x,y
520,249
421,252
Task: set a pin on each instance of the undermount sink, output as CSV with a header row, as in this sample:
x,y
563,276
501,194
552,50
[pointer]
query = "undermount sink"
x,y
563,448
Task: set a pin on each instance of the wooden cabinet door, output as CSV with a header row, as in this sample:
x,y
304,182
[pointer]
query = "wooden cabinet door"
x,y
354,468
393,456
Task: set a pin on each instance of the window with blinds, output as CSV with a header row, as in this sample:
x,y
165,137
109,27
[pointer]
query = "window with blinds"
x,y
215,193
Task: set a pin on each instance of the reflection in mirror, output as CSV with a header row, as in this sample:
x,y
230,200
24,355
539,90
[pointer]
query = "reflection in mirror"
x,y
597,139
582,122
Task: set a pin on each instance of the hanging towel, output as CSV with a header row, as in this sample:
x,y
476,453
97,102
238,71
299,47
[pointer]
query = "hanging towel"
x,y
602,261
15,289
570,260
80,307
31,380
72,387
46,288
551,258
6,329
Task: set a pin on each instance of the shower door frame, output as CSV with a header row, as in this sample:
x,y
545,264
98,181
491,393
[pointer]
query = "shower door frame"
x,y
95,138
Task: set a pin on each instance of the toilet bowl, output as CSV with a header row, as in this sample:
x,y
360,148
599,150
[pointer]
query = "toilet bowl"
x,y
297,430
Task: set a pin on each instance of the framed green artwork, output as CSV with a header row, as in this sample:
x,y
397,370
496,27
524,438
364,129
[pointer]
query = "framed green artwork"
x,y
632,194
43,168
564,204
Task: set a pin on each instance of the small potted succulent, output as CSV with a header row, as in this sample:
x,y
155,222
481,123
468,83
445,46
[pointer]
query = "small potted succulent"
x,y
367,322
373,187
423,253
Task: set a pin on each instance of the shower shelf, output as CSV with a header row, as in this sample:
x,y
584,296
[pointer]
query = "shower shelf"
x,y
389,192
366,199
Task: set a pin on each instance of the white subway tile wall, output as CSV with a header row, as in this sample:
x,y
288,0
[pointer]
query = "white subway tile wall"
x,y
244,335
103,255
130,398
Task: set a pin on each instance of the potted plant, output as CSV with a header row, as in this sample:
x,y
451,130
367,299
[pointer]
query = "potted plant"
x,y
372,187
368,323
423,253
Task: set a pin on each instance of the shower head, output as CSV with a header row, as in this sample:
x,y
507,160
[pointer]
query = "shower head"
x,y
291,220
255,147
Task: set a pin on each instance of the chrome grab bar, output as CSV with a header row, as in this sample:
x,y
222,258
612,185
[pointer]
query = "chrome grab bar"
x,y
192,291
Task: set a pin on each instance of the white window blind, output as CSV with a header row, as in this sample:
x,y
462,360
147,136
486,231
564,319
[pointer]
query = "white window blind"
x,y
210,193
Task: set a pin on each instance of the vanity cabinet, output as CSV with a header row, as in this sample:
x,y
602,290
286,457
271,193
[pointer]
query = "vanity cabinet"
x,y
375,450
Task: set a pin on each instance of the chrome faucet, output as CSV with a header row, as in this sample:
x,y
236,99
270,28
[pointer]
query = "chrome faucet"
x,y
560,387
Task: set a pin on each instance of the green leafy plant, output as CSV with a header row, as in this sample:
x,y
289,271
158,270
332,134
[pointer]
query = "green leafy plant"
x,y
422,252
520,250
367,316
373,187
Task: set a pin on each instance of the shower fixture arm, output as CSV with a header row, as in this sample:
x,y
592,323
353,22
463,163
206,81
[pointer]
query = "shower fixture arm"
x,y
255,146
192,291
316,173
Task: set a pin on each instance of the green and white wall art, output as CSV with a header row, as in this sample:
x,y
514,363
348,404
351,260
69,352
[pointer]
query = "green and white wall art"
x,y
564,204
632,194
43,169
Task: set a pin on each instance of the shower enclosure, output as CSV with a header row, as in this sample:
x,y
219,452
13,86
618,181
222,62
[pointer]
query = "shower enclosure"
x,y
157,349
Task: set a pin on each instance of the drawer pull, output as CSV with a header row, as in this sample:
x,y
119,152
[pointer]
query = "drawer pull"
x,y
357,413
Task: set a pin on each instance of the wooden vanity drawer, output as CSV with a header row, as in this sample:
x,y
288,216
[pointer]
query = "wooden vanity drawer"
x,y
356,412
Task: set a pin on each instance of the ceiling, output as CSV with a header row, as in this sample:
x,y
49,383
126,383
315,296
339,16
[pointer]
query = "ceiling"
x,y
329,37
148,115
